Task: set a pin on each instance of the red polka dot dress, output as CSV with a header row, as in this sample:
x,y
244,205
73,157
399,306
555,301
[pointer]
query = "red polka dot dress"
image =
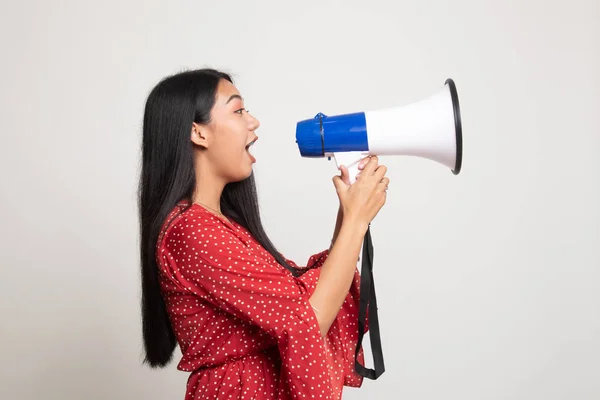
x,y
243,322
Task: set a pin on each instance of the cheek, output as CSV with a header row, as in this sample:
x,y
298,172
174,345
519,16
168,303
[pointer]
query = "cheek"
x,y
229,141
233,135
230,152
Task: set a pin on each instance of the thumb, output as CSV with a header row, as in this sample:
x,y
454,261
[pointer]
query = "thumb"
x,y
340,186
345,175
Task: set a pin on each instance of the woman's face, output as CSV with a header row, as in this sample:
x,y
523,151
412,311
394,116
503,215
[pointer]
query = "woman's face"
x,y
227,137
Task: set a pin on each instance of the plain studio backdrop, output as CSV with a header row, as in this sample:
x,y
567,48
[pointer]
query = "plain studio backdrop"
x,y
488,282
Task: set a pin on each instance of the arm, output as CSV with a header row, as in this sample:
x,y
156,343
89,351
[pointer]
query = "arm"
x,y
337,273
338,225
340,268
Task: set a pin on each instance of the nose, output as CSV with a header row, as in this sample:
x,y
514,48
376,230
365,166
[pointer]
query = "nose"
x,y
253,122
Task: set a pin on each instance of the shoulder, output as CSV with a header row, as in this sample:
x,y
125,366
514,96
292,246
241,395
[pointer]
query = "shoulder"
x,y
188,221
191,234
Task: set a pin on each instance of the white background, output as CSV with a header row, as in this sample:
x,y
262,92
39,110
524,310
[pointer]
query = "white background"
x,y
488,282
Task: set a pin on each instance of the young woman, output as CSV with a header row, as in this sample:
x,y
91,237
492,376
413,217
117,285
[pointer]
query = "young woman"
x,y
250,323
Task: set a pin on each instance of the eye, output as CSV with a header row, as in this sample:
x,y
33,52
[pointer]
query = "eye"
x,y
241,111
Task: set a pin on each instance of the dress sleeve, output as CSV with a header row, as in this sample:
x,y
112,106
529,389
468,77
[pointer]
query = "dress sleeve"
x,y
214,263
342,337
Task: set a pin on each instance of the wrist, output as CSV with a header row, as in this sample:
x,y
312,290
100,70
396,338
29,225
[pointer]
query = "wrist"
x,y
355,224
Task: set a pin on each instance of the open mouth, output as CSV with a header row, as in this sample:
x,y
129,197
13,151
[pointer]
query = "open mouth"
x,y
248,149
249,145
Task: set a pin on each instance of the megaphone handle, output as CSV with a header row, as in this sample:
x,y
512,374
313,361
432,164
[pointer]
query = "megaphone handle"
x,y
352,172
351,160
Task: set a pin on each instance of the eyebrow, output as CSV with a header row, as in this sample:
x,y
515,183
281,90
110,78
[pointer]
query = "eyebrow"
x,y
234,96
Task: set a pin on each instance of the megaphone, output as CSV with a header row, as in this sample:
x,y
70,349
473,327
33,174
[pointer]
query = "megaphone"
x,y
430,128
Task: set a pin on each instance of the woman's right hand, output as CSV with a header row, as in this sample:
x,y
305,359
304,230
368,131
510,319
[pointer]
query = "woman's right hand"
x,y
362,200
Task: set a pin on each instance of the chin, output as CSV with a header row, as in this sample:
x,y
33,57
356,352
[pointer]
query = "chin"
x,y
248,174
241,177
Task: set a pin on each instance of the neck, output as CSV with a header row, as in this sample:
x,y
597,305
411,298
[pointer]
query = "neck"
x,y
209,187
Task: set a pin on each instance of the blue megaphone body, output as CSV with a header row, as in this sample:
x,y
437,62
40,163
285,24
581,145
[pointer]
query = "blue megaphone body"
x,y
430,128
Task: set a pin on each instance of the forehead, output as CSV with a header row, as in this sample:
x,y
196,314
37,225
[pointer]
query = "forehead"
x,y
225,91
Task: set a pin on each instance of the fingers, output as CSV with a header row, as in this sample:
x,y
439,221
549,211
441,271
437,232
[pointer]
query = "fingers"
x,y
345,174
373,172
382,186
380,171
340,186
370,166
363,162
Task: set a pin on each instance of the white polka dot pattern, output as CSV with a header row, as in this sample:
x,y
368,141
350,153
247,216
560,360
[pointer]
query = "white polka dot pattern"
x,y
243,322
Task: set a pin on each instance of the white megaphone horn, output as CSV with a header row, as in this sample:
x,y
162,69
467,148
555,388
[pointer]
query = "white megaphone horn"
x,y
430,128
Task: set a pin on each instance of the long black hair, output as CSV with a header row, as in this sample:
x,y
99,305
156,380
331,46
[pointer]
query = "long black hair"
x,y
167,177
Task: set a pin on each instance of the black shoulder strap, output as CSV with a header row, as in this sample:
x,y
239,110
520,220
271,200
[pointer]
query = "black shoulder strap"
x,y
368,299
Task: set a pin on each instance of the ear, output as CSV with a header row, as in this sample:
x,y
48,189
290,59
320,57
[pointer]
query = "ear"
x,y
199,135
